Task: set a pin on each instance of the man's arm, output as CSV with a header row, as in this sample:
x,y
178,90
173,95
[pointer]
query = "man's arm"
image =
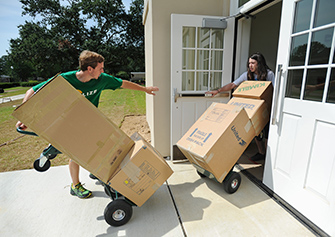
x,y
133,86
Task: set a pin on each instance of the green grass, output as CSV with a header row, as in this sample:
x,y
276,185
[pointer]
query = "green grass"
x,y
14,91
21,153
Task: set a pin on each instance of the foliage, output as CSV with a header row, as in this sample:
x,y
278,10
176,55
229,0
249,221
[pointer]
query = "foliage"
x,y
52,42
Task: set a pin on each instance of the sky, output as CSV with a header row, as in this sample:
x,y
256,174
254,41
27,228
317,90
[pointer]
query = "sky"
x,y
10,19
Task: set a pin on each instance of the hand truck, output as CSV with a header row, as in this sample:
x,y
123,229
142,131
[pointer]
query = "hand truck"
x,y
118,212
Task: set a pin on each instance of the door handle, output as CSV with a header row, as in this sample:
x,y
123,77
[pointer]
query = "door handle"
x,y
176,95
278,83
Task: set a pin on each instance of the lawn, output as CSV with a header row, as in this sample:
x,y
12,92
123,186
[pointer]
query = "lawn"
x,y
18,152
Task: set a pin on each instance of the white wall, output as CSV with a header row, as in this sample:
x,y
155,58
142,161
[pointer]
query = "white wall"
x,y
157,52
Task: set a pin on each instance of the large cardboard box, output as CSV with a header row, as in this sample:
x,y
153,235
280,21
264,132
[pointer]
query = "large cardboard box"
x,y
256,109
141,172
218,138
261,90
72,124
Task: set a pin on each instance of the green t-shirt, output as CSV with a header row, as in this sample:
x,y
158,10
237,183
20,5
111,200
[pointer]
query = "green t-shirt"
x,y
91,89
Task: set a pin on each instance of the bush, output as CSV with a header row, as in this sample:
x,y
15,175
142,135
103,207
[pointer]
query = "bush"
x,y
122,75
29,83
5,85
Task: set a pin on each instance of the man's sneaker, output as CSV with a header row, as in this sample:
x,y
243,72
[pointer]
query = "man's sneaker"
x,y
80,191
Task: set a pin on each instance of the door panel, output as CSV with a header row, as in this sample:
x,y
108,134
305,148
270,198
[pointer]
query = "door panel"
x,y
300,163
201,60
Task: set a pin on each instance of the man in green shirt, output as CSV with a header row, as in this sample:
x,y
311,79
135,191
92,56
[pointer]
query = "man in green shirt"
x,y
90,81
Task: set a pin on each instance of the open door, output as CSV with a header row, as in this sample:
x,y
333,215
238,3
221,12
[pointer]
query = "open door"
x,y
300,164
201,60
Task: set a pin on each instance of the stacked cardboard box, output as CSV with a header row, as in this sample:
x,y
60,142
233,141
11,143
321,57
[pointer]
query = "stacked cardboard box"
x,y
65,118
219,137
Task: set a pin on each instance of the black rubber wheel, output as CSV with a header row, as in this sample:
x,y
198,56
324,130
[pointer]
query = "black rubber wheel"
x,y
201,174
45,167
118,212
232,182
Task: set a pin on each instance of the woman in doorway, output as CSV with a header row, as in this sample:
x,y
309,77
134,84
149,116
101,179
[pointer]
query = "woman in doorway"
x,y
257,70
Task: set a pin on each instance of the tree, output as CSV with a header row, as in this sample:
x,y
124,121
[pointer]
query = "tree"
x,y
52,42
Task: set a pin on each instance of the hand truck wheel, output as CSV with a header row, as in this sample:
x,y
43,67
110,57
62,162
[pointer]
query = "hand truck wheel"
x,y
232,182
118,212
42,166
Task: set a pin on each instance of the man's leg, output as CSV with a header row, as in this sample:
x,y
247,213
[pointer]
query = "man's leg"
x,y
76,187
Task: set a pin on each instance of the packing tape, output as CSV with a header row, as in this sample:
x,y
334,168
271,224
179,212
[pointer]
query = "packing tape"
x,y
132,171
209,158
193,159
155,186
248,126
223,176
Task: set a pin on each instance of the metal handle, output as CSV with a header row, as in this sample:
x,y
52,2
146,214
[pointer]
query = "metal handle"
x,y
25,132
177,95
278,83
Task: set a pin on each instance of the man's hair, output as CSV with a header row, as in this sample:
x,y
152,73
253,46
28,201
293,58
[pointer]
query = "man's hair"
x,y
89,58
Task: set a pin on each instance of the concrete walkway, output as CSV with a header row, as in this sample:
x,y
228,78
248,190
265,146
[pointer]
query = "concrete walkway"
x,y
11,98
39,204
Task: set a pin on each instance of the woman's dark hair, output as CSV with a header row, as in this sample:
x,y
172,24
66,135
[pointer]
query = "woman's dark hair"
x,y
262,67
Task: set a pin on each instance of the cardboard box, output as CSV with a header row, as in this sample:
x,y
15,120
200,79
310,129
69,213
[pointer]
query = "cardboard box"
x,y
256,109
141,172
261,90
72,124
218,138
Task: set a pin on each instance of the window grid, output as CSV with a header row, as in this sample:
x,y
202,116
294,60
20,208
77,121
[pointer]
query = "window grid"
x,y
308,67
197,70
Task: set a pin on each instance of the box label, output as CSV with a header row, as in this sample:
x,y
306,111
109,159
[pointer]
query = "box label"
x,y
247,88
199,137
217,115
244,105
237,136
144,179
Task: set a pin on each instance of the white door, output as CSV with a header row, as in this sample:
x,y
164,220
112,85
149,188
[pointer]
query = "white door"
x,y
201,60
300,163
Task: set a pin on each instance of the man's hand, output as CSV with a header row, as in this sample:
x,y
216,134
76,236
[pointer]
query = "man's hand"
x,y
21,125
150,90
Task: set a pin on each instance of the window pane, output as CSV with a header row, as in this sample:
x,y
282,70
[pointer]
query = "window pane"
x,y
216,78
294,81
188,59
324,13
217,39
242,2
302,15
202,81
298,50
189,37
315,84
203,38
217,58
203,60
320,47
188,81
331,88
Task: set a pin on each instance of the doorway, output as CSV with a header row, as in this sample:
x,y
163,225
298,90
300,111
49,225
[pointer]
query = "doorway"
x,y
264,25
